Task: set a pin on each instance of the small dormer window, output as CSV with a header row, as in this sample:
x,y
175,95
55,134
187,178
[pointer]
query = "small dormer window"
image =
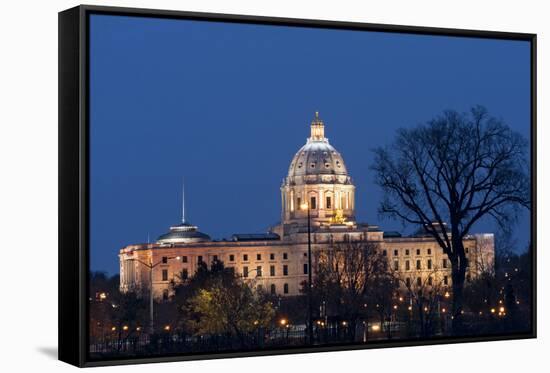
x,y
313,165
300,165
327,165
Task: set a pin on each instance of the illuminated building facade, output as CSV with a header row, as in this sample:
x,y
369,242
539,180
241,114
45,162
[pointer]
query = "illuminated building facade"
x,y
277,260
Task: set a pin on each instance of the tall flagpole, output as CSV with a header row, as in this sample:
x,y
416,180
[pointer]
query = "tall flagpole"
x,y
182,200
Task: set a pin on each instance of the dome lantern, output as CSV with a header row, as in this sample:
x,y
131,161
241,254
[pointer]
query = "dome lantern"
x,y
317,129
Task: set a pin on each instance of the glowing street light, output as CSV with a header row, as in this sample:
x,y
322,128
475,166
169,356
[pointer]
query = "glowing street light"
x,y
283,322
375,328
306,206
125,327
151,266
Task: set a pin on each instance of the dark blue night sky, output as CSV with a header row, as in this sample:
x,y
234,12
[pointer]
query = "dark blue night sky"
x,y
227,106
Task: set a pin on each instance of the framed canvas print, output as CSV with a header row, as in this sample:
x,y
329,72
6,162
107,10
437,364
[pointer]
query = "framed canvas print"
x,y
239,186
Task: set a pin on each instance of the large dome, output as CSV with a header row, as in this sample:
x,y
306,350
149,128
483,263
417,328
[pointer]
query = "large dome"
x,y
318,178
317,160
317,157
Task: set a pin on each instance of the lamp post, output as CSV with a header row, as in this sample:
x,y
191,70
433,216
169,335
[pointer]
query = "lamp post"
x,y
150,265
305,206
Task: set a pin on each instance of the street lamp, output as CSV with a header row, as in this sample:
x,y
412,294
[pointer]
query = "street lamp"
x,y
305,206
150,265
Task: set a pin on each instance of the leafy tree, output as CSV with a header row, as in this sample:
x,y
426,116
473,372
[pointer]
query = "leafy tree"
x,y
236,311
455,169
216,301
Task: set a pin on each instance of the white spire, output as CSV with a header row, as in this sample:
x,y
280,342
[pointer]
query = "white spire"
x,y
182,201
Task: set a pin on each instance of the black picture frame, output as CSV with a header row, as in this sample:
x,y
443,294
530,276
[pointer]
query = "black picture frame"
x,y
74,175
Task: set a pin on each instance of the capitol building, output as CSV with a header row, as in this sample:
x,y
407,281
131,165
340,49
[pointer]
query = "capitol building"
x,y
278,260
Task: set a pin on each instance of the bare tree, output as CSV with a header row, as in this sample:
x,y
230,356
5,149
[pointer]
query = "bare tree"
x,y
455,169
424,290
345,274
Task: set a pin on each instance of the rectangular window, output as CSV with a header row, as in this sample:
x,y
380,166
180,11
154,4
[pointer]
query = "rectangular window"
x,y
272,270
215,258
384,252
446,280
165,294
418,264
285,270
271,256
429,264
285,256
164,259
418,281
273,289
285,288
407,265
305,268
444,263
164,275
466,250
184,274
408,282
417,251
429,251
329,203
245,271
245,257
231,258
396,265
407,252
299,202
395,252
258,256
184,259
313,203
430,281
199,260
259,271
